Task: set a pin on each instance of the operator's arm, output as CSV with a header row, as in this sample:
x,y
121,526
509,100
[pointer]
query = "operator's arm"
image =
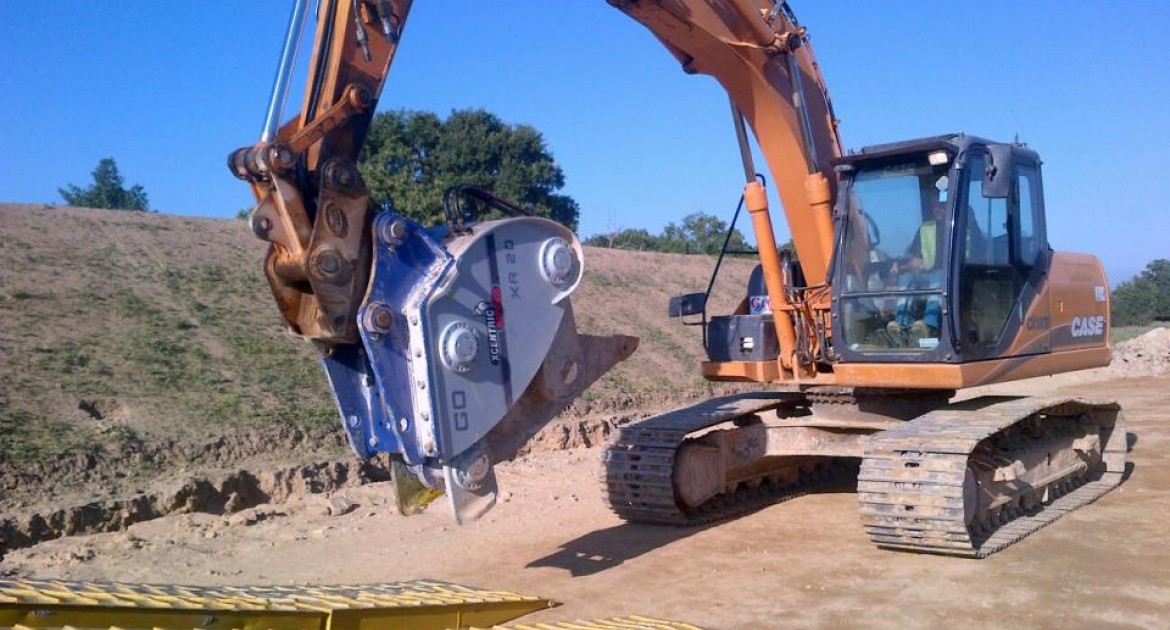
x,y
913,259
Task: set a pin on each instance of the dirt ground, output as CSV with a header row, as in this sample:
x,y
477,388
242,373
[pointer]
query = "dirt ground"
x,y
804,563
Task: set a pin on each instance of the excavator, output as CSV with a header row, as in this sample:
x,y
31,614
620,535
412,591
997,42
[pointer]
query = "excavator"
x,y
920,268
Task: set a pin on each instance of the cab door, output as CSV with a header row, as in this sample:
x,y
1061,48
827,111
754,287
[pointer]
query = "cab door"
x,y
1001,253
1033,260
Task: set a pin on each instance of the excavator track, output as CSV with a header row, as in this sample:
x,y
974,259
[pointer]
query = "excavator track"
x,y
638,475
915,485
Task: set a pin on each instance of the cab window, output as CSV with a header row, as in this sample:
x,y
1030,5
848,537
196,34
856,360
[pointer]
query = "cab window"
x,y
1030,243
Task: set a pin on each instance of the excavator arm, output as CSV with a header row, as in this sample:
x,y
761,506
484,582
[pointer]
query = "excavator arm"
x,y
312,206
450,346
761,55
446,346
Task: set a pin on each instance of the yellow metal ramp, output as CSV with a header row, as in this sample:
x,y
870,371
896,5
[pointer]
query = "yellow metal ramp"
x,y
633,622
419,605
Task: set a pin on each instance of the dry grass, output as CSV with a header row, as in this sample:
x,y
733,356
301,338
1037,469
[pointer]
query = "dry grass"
x,y
127,329
125,326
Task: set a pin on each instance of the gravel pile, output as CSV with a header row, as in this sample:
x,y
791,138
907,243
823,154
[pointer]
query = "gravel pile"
x,y
1147,354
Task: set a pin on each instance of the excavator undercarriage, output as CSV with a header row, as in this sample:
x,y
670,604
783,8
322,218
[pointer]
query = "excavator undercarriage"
x,y
964,479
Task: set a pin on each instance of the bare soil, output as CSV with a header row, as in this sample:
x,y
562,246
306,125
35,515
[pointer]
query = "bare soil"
x,y
803,563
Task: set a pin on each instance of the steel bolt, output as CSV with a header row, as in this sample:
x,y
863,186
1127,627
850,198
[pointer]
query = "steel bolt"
x,y
261,226
328,264
393,232
339,175
381,318
557,262
282,158
360,97
476,471
398,229
459,347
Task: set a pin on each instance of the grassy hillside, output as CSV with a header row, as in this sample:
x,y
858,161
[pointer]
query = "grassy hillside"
x,y
126,336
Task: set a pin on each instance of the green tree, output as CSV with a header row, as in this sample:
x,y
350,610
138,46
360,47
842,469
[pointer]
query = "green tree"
x,y
700,233
632,239
411,157
107,191
1144,298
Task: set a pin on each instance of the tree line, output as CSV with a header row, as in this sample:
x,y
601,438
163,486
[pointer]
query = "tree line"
x,y
411,157
1145,298
699,233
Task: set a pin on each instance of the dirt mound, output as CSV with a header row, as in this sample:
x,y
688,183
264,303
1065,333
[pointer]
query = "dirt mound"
x,y
124,362
1146,354
227,494
101,468
587,424
239,490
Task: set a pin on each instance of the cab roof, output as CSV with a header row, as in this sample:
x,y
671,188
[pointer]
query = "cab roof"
x,y
955,143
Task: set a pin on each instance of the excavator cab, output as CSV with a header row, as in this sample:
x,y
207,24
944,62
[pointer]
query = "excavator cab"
x,y
941,250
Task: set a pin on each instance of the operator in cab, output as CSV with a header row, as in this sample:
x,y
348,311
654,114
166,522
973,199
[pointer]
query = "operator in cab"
x,y
918,318
922,254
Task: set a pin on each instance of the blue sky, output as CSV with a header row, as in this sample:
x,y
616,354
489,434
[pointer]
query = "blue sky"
x,y
168,89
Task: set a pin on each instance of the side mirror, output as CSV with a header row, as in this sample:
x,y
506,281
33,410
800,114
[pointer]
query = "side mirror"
x,y
689,304
997,176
